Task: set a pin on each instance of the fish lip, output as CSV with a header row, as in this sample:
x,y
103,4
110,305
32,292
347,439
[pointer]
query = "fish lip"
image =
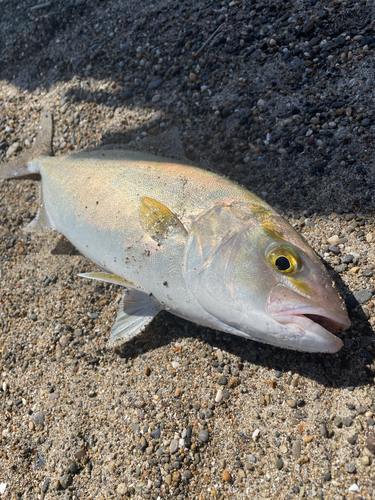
x,y
311,325
314,337
333,322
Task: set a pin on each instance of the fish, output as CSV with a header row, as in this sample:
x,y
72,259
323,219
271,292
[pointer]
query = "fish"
x,y
185,240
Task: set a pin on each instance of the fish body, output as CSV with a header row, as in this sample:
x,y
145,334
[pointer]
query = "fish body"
x,y
185,240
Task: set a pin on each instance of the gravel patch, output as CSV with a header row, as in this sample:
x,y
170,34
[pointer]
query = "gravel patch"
x,y
280,99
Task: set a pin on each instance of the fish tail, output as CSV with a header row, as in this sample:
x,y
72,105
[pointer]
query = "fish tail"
x,y
26,166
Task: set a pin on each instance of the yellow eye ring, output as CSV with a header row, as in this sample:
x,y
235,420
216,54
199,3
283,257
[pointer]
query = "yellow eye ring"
x,y
284,259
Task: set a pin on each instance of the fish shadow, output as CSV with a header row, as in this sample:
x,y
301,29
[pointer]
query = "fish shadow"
x,y
347,369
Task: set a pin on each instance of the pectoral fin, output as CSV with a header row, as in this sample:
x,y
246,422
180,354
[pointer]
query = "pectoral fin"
x,y
109,278
136,311
157,220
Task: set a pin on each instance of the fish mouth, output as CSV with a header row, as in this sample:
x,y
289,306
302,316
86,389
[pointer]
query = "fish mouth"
x,y
314,325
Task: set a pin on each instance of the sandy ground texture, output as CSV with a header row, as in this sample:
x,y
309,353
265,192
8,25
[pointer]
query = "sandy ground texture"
x,y
280,99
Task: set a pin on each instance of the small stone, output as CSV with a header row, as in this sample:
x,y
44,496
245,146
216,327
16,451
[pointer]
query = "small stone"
x,y
308,439
363,295
354,487
122,489
155,84
283,449
365,460
64,341
39,418
31,426
73,468
173,447
143,443
333,240
66,481
45,485
351,440
222,380
347,421
327,477
226,476
193,77
156,98
323,430
350,468
94,315
187,474
219,396
80,453
125,96
370,443
279,464
176,477
147,371
168,479
203,435
296,449
58,352
13,148
291,403
337,422
155,433
334,249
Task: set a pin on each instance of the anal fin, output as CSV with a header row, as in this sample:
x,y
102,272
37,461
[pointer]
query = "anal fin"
x,y
42,222
137,310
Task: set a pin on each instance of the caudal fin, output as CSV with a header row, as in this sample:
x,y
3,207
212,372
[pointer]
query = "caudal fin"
x,y
24,167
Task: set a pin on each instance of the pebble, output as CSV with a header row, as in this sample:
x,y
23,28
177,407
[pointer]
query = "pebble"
x,y
222,380
187,474
350,468
173,447
122,489
279,464
337,422
45,485
347,421
39,418
155,84
13,148
370,443
66,481
296,449
291,403
362,295
203,435
226,476
365,460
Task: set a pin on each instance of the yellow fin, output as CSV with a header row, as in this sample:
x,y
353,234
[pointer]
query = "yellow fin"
x,y
109,278
157,220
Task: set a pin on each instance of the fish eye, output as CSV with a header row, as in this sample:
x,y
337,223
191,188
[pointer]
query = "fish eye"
x,y
284,259
282,263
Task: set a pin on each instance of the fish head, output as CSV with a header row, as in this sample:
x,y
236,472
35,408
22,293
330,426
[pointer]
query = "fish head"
x,y
254,274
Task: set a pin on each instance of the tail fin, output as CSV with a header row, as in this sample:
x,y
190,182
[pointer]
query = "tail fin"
x,y
23,167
